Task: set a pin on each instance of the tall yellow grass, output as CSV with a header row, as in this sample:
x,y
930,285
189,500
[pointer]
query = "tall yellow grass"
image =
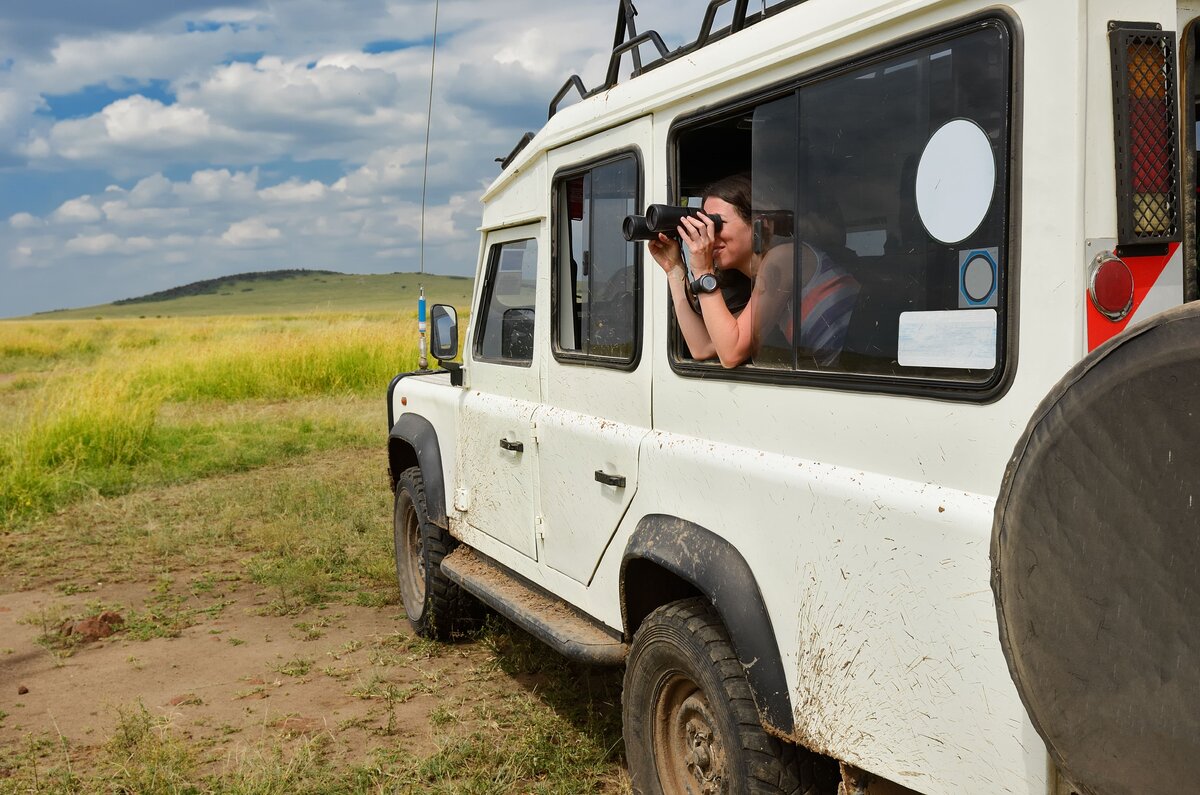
x,y
95,414
333,356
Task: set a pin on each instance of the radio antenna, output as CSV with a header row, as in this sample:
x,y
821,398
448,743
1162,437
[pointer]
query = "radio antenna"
x,y
428,124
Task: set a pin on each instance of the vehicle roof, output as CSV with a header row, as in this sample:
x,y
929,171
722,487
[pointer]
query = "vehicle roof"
x,y
734,59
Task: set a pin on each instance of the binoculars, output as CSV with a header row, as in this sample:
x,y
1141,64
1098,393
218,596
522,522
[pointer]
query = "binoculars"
x,y
661,218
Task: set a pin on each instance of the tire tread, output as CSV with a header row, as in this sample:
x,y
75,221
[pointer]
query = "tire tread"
x,y
446,608
771,765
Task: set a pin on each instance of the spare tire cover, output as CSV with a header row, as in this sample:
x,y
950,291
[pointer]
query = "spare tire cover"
x,y
1096,563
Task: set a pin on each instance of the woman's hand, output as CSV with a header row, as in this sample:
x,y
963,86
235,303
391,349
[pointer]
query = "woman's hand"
x,y
699,233
665,252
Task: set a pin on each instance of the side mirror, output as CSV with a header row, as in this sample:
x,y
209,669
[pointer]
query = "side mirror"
x,y
443,332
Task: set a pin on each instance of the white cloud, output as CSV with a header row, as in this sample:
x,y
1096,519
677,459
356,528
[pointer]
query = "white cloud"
x,y
24,221
243,130
213,185
149,190
76,62
385,169
78,211
94,244
120,212
294,190
136,127
253,231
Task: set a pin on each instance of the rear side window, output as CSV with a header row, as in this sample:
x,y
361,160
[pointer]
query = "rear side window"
x,y
879,213
505,330
597,281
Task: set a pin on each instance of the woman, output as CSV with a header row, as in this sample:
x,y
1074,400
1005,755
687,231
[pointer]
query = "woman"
x,y
716,331
828,295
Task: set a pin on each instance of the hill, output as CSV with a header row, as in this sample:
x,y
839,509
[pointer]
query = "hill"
x,y
285,292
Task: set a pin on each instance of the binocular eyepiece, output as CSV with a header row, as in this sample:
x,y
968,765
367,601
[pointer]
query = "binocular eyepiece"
x,y
661,218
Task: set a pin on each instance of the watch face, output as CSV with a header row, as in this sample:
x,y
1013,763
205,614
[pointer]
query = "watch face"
x,y
707,283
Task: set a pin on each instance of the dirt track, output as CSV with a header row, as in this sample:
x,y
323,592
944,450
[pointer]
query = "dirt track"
x,y
216,661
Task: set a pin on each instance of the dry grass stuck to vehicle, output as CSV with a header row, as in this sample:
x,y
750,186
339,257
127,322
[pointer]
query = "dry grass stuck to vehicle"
x,y
245,544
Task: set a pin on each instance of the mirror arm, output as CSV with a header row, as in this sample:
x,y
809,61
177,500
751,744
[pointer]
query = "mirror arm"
x,y
455,370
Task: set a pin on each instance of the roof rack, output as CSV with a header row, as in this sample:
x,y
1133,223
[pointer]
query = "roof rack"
x,y
521,144
627,40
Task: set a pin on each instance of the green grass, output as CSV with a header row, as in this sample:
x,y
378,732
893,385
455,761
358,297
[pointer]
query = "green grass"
x,y
117,405
123,446
305,294
309,532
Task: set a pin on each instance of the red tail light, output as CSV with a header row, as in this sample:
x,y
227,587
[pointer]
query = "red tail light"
x,y
1148,122
1147,145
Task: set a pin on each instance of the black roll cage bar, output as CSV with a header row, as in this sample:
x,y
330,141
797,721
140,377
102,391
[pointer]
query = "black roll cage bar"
x,y
628,40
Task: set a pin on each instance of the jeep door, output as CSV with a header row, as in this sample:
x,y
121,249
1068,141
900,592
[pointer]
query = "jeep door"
x,y
597,387
496,468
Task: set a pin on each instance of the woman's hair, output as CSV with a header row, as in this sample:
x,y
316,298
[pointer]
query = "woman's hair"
x,y
734,189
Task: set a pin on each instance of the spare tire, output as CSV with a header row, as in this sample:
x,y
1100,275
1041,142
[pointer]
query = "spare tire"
x,y
1096,563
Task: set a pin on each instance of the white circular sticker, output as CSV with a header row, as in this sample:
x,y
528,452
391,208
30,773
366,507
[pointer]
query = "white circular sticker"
x,y
955,181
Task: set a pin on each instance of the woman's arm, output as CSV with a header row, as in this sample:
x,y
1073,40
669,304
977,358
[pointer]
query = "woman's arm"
x,y
731,335
667,254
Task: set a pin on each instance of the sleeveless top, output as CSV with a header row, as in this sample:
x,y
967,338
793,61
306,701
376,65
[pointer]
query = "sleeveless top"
x,y
826,304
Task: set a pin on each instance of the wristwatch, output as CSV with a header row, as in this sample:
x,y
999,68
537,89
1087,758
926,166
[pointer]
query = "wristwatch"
x,y
705,283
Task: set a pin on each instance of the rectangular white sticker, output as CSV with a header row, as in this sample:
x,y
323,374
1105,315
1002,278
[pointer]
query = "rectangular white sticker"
x,y
962,339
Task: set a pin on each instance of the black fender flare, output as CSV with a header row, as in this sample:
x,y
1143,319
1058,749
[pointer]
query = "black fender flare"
x,y
718,570
413,441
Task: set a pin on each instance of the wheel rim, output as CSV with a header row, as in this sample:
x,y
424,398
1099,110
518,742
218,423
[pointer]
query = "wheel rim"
x,y
412,564
689,751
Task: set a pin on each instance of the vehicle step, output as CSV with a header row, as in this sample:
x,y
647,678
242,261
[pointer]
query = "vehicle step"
x,y
546,617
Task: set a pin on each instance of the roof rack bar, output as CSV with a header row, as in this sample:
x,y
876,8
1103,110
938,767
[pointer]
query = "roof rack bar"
x,y
739,15
626,29
521,144
710,18
572,82
614,62
626,39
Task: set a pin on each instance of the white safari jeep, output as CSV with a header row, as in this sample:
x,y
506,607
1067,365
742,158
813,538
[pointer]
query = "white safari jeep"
x,y
960,555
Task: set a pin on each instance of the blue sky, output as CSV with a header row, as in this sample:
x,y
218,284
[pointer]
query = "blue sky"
x,y
146,144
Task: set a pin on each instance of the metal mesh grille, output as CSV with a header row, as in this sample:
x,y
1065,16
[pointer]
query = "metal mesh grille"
x,y
1144,86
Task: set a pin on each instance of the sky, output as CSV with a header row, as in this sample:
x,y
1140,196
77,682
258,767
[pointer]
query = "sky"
x,y
146,144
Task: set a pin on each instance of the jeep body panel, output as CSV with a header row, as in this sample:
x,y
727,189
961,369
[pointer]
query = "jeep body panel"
x,y
863,516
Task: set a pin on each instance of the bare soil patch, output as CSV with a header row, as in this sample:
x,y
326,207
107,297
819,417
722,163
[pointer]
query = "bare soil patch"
x,y
241,675
234,645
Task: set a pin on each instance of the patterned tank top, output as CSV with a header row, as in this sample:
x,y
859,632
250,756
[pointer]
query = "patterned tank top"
x,y
826,304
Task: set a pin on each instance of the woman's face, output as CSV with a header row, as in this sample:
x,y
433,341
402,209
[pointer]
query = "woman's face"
x,y
733,247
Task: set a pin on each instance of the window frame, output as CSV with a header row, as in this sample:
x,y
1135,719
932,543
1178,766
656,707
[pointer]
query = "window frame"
x,y
1006,353
565,355
485,301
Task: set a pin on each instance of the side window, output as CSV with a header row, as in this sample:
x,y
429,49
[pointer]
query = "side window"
x,y
505,327
879,214
597,278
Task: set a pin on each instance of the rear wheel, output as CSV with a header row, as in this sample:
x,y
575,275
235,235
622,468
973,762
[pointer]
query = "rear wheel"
x,y
434,604
691,727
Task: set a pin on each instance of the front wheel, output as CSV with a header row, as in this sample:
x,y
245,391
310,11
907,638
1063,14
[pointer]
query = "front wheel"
x,y
434,603
691,727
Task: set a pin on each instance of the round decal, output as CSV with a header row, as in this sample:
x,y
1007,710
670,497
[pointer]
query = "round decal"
x,y
979,278
955,181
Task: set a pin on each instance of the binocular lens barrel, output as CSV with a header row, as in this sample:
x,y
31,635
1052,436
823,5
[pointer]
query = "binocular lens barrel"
x,y
660,218
634,227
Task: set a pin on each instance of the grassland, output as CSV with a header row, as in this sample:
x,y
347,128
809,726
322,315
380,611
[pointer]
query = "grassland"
x,y
218,481
303,294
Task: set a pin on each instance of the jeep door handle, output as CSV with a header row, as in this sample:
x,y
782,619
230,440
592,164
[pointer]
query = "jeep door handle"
x,y
516,447
610,480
